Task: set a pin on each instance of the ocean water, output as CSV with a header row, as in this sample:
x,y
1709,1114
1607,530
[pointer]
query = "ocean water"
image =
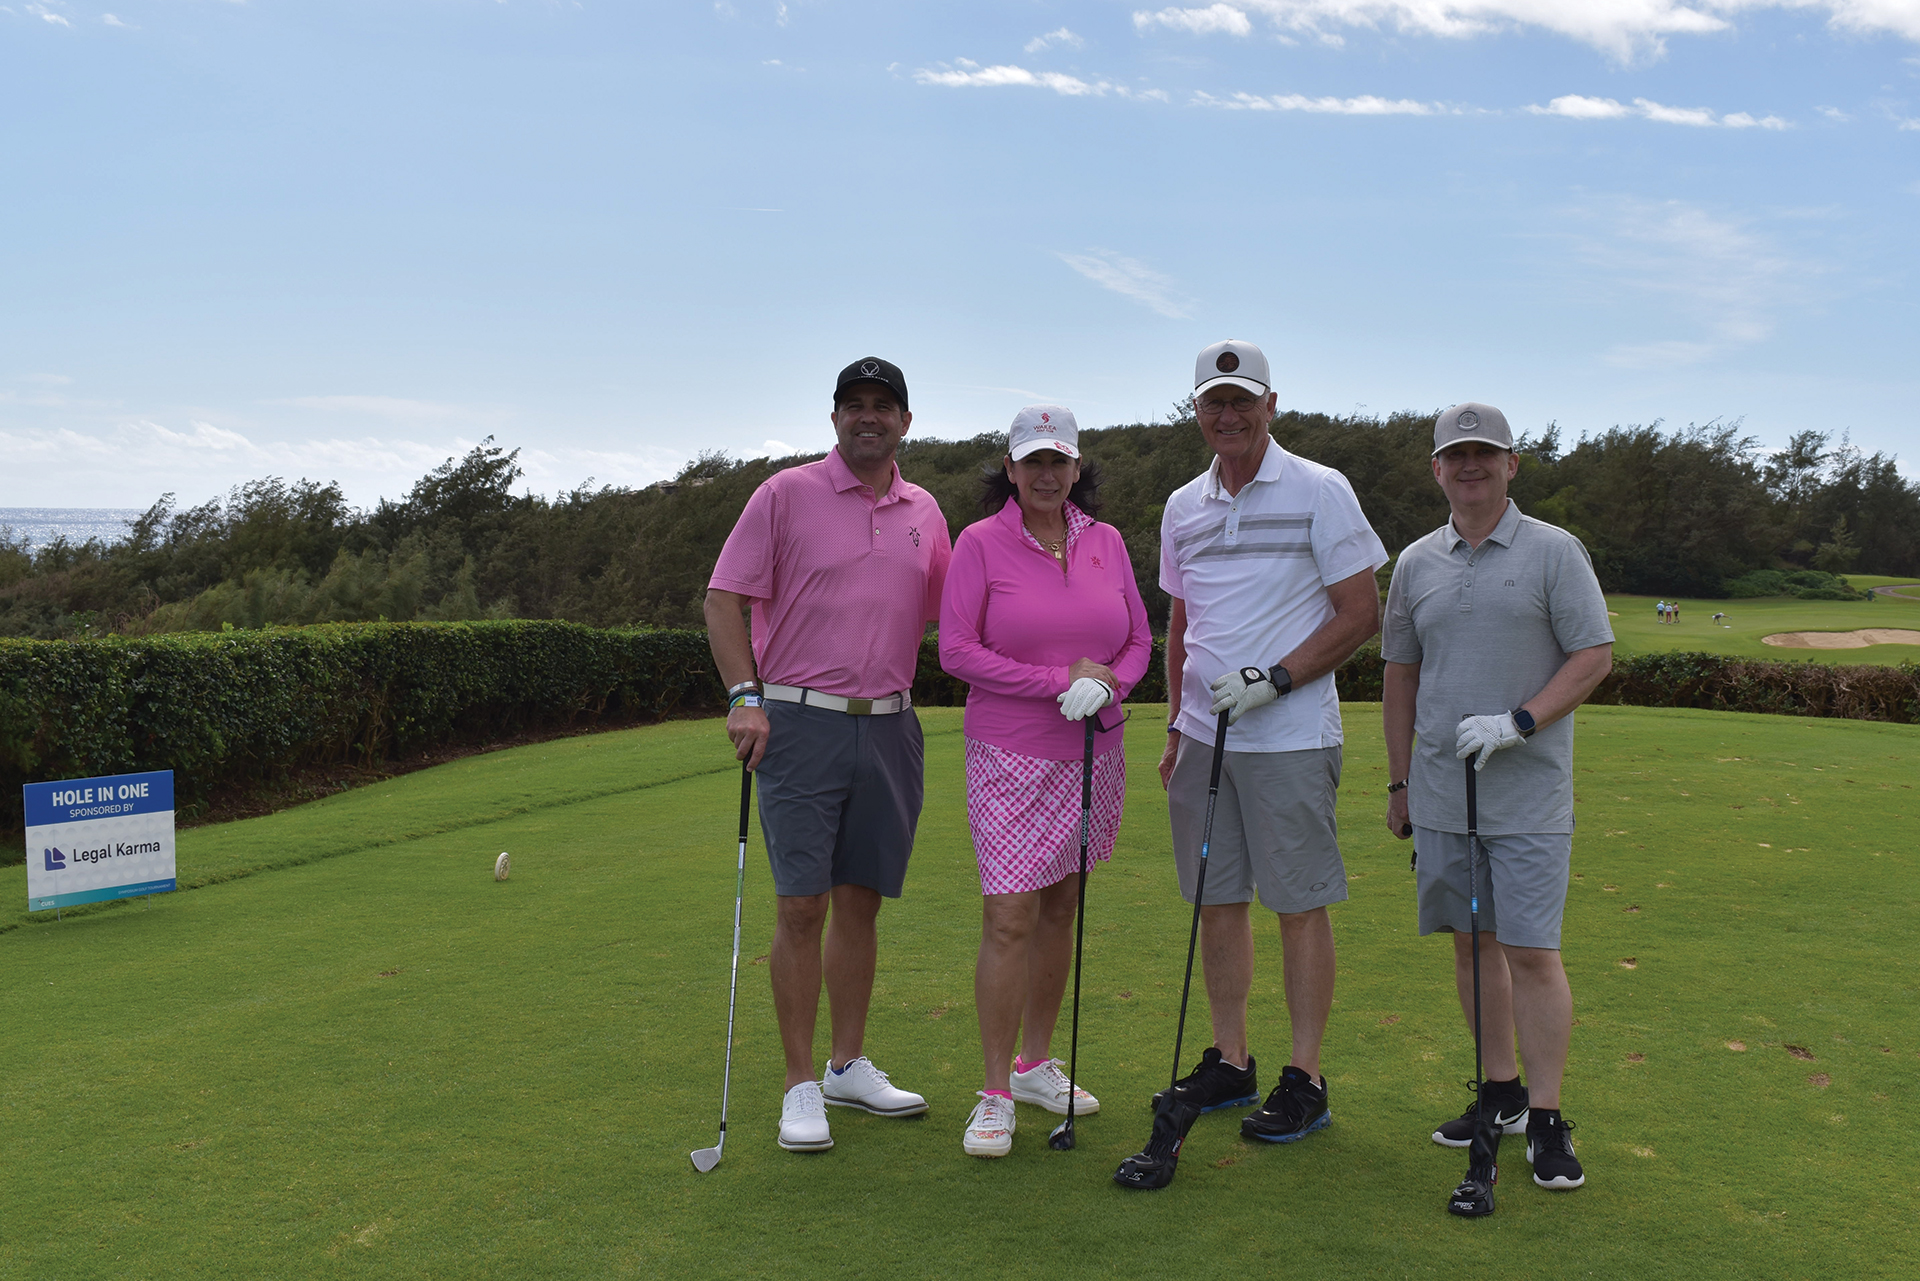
x,y
39,526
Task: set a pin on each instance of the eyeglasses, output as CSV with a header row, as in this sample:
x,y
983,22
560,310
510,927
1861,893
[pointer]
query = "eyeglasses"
x,y
1211,408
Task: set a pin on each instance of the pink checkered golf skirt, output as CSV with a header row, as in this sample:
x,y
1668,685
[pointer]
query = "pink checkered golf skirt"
x,y
1025,815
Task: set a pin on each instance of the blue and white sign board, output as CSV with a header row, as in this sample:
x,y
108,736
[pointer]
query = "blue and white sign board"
x,y
99,838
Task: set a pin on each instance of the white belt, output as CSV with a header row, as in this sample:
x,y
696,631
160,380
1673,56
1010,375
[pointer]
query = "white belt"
x,y
834,703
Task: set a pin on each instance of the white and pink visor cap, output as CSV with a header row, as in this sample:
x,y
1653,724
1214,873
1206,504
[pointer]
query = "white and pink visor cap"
x,y
1043,427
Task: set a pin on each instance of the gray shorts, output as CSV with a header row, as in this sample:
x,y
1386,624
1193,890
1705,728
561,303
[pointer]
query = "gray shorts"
x,y
839,798
1523,884
1273,827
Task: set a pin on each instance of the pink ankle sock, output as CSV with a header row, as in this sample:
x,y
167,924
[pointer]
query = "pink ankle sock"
x,y
1005,1094
1021,1064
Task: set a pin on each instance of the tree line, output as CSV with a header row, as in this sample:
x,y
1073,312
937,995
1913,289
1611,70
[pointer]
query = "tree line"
x,y
1700,511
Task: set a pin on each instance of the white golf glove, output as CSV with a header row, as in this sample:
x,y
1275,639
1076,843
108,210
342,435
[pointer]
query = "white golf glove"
x,y
1083,698
1238,693
1486,735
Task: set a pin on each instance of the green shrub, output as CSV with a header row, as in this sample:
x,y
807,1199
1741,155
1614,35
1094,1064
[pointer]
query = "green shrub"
x,y
230,707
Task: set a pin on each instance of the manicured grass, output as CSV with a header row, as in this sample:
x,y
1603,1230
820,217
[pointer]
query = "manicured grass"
x,y
1637,631
382,1063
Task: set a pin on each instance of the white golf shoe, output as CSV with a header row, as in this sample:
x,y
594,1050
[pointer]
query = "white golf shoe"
x,y
862,1085
990,1128
803,1120
1046,1086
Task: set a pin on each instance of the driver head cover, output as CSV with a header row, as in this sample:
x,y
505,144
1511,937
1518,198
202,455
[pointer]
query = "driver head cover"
x,y
1153,1168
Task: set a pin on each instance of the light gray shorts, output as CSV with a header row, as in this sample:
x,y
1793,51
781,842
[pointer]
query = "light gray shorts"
x,y
1523,884
1273,827
839,798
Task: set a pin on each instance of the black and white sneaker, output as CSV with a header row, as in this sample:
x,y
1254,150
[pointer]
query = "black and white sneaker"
x,y
1296,1108
1216,1084
1550,1148
1509,1102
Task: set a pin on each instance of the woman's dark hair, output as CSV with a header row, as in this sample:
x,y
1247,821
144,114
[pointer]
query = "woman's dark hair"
x,y
996,488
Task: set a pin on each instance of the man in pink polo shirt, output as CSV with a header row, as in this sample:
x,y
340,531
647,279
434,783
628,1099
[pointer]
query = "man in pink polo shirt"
x,y
842,563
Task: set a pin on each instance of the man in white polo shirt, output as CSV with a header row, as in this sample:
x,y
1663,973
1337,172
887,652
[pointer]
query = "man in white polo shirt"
x,y
1270,564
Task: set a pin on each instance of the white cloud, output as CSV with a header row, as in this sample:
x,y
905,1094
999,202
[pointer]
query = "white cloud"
x,y
1058,36
777,449
1909,126
1834,114
1580,107
967,74
1577,107
1130,278
1678,266
1625,29
47,15
1699,117
996,77
112,21
1364,105
1223,18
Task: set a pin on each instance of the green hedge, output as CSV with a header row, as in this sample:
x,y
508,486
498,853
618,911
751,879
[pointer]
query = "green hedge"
x,y
227,707
233,707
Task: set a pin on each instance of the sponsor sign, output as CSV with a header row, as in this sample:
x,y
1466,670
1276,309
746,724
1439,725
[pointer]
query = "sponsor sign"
x,y
98,838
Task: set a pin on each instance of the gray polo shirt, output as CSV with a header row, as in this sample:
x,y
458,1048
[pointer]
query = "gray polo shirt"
x,y
1489,626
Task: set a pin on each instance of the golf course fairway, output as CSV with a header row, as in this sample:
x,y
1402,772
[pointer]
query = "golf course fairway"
x,y
353,1053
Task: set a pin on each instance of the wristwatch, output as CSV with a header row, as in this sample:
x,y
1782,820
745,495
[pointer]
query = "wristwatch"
x,y
1401,786
1523,721
1282,678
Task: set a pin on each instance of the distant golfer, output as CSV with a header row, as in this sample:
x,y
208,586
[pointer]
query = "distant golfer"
x,y
1042,618
1270,564
842,563
1496,618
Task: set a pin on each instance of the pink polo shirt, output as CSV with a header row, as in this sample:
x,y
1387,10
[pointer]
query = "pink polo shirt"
x,y
842,587
1011,624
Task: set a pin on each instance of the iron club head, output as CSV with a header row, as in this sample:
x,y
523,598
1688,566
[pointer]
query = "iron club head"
x,y
1061,1140
706,1158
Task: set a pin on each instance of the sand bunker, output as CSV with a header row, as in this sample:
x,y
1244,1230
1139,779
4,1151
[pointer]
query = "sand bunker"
x,y
1844,640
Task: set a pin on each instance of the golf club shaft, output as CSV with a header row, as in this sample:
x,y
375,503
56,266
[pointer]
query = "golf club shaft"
x,y
733,984
1080,914
1199,888
1473,913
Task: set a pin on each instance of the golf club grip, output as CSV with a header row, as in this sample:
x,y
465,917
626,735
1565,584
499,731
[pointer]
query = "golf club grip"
x,y
746,795
1473,798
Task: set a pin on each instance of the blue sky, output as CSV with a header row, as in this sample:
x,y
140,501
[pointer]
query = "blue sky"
x,y
345,240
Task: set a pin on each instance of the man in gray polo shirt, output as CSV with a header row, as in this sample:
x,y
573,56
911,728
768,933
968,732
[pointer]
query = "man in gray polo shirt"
x,y
1495,631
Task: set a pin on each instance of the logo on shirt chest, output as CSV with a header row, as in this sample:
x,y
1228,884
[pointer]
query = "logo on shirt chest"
x,y
913,532
1095,562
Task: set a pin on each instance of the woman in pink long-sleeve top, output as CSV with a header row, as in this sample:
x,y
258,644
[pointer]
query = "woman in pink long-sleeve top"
x,y
1042,618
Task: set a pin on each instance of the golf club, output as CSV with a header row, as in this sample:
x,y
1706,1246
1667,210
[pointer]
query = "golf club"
x,y
1153,1166
1061,1140
1474,1196
706,1158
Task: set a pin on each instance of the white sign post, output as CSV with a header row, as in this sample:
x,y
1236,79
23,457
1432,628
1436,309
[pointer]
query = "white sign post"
x,y
90,839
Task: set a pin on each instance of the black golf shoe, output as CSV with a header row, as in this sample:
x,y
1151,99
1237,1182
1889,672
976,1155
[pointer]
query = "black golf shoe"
x,y
1216,1083
1550,1148
1509,1102
1296,1108
1152,1168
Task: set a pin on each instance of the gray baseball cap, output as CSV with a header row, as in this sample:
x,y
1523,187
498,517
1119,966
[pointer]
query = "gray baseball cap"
x,y
1471,420
1040,427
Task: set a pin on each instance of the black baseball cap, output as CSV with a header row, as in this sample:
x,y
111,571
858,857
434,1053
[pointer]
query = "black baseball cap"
x,y
872,369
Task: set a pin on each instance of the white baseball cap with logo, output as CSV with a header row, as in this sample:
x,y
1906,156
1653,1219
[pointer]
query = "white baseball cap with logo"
x,y
1234,363
1043,427
1472,421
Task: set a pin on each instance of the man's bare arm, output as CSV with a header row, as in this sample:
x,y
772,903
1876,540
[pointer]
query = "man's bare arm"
x,y
733,654
1399,697
1578,677
1356,616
